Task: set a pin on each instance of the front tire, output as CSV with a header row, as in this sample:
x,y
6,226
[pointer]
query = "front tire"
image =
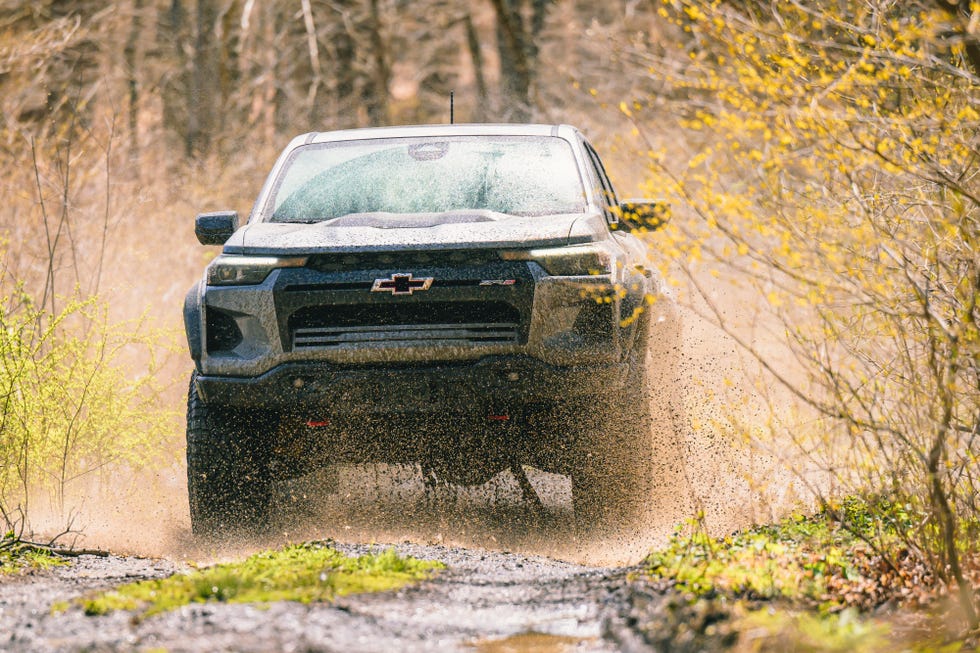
x,y
611,482
228,479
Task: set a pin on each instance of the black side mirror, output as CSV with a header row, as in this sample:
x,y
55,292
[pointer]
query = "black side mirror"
x,y
644,215
215,228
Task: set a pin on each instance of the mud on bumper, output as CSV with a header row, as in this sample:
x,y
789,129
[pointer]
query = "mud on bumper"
x,y
497,382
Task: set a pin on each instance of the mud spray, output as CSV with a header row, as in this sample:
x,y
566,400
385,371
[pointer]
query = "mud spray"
x,y
709,468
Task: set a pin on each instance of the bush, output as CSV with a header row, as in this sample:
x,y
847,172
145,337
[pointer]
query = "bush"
x,y
835,171
72,408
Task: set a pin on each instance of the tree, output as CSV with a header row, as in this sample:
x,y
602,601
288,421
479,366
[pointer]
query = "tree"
x,y
518,28
836,169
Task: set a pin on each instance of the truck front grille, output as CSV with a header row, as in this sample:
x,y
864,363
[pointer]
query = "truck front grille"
x,y
434,323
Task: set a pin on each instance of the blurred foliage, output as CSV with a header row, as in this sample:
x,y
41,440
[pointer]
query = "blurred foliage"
x,y
71,407
204,75
843,632
309,572
833,167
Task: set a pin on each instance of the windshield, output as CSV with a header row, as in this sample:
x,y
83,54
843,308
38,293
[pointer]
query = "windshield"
x,y
516,175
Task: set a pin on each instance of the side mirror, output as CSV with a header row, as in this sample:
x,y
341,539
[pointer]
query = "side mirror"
x,y
215,228
644,215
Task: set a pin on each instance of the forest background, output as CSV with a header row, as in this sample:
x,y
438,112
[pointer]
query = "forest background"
x,y
820,157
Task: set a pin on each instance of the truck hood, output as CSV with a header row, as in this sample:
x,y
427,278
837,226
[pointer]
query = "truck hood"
x,y
386,231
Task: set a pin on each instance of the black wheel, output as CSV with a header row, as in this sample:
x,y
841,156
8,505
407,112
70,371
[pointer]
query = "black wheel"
x,y
228,479
611,481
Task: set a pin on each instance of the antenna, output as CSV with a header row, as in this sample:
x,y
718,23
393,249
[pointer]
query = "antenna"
x,y
452,119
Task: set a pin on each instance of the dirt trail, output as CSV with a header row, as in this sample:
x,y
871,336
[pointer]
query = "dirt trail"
x,y
484,599
489,598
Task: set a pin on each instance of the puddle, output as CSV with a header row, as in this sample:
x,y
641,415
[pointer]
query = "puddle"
x,y
531,643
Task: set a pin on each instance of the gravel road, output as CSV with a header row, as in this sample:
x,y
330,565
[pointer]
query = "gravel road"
x,y
484,601
516,580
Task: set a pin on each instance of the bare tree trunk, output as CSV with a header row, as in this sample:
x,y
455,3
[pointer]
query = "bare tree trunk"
x,y
945,368
229,36
345,65
130,56
313,50
473,43
377,97
515,65
204,79
173,39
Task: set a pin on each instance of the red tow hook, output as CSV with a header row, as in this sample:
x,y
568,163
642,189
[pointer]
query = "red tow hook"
x,y
317,423
498,418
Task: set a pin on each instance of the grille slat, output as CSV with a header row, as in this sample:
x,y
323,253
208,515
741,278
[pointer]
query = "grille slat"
x,y
406,334
429,324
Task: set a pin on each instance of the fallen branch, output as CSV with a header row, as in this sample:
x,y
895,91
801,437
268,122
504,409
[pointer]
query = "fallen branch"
x,y
17,545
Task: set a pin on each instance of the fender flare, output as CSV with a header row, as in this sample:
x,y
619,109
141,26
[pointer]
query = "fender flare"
x,y
193,302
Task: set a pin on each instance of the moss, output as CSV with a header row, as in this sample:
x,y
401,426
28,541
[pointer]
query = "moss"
x,y
17,556
305,573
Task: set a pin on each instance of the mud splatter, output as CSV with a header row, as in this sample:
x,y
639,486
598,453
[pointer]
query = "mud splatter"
x,y
707,468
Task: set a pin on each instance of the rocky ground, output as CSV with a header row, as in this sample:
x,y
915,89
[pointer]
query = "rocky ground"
x,y
515,580
484,601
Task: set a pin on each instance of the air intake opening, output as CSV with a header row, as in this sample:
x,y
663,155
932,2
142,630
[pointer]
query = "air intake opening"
x,y
223,332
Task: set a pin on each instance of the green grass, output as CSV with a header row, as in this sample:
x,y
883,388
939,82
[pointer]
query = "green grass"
x,y
813,560
810,582
304,572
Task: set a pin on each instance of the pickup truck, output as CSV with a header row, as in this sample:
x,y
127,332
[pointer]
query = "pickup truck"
x,y
464,298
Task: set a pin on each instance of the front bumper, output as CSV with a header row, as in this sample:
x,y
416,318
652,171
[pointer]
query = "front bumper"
x,y
493,383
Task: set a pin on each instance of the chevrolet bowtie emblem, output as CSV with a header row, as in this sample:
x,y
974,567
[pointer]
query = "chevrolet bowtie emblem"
x,y
401,284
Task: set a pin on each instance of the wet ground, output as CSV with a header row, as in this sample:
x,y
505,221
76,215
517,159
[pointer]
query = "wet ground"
x,y
483,601
490,598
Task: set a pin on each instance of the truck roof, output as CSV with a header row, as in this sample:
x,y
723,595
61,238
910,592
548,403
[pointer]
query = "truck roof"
x,y
459,129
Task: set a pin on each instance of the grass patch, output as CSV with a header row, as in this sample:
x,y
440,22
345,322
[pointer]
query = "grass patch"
x,y
304,572
855,559
810,583
17,556
784,630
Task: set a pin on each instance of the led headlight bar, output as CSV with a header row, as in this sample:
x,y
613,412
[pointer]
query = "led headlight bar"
x,y
231,270
577,260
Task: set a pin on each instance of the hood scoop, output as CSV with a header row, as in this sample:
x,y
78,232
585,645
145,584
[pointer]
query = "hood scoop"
x,y
411,220
377,232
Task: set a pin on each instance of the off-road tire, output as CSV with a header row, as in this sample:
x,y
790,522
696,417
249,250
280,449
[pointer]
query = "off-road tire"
x,y
611,481
228,479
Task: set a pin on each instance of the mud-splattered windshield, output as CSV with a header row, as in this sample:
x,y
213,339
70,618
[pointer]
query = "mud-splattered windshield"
x,y
516,175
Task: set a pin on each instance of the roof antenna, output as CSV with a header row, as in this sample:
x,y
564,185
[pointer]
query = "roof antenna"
x,y
452,120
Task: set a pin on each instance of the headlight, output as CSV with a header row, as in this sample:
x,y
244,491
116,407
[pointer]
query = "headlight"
x,y
578,260
228,270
